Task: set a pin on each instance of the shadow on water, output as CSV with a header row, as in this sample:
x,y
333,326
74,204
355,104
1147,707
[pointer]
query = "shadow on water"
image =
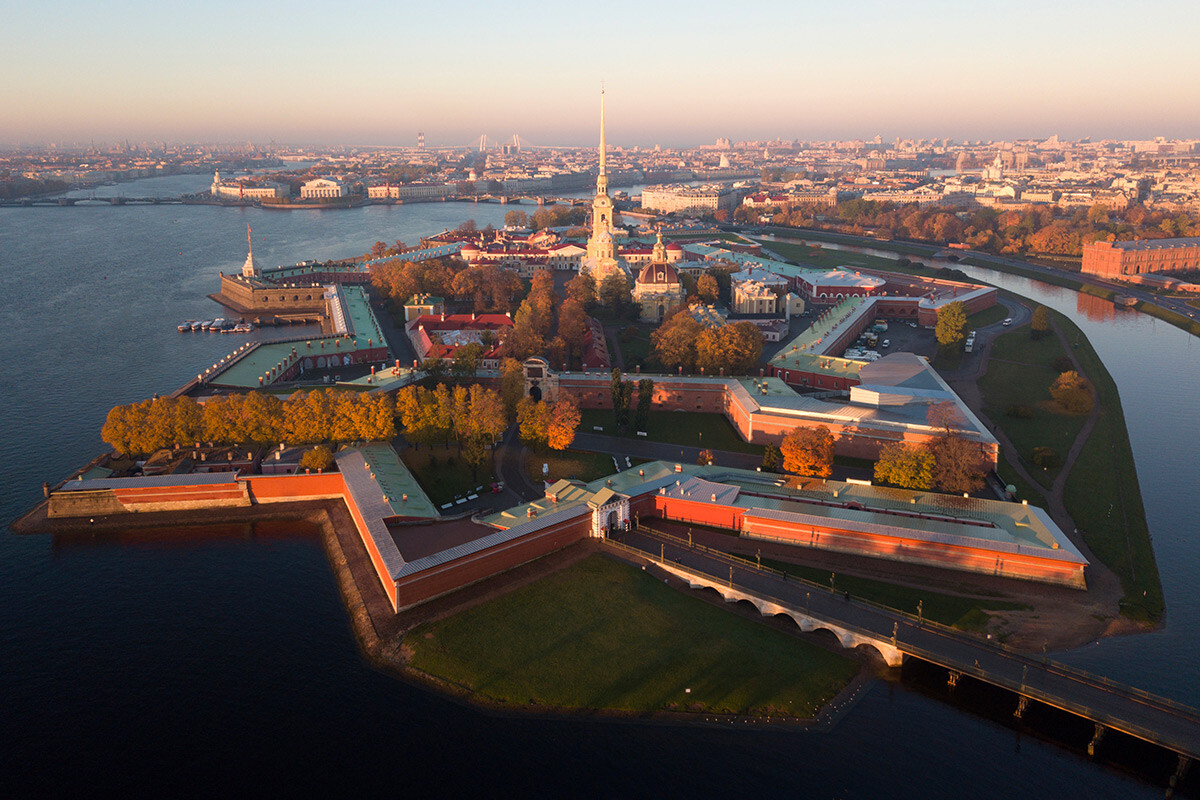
x,y
1115,750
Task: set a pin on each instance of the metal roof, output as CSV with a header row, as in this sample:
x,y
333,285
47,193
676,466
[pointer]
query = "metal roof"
x,y
150,481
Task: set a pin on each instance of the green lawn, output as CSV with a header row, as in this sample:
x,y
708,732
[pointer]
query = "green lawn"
x,y
688,428
1020,373
606,635
442,472
828,258
574,464
989,316
966,613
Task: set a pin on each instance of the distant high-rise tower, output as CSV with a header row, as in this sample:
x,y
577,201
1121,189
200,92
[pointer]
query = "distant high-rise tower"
x,y
421,141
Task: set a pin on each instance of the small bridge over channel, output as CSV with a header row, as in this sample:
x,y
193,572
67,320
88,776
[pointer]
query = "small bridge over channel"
x,y
895,635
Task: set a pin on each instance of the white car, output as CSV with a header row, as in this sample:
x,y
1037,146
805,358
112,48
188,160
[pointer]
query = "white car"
x,y
1008,322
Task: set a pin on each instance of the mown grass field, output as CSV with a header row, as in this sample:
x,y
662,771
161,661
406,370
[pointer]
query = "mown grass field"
x,y
686,428
1020,372
443,473
573,464
605,635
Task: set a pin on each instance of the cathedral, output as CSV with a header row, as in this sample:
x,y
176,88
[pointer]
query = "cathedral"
x,y
602,258
658,290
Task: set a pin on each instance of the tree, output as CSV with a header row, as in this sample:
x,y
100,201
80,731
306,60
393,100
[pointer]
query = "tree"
x,y
621,392
951,324
614,293
772,458
706,457
582,289
564,419
645,391
904,466
675,341
808,451
435,368
1040,325
319,458
707,288
512,385
957,464
533,420
466,360
573,325
733,348
1073,392
516,219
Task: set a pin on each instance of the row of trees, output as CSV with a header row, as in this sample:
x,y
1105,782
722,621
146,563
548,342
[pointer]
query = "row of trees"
x,y
547,325
621,392
491,287
473,417
681,341
326,415
1042,229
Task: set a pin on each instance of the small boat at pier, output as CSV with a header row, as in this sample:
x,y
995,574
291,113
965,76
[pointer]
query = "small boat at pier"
x,y
186,326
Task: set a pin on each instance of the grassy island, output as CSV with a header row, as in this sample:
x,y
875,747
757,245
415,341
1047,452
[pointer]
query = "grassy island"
x,y
603,635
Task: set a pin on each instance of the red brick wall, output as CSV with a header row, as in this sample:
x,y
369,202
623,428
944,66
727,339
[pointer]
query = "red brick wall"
x,y
439,580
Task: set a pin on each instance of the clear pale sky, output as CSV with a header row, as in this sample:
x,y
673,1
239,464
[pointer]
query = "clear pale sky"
x,y
678,73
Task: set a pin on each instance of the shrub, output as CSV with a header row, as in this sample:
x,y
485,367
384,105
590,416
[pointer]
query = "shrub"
x,y
1063,364
1045,457
1017,411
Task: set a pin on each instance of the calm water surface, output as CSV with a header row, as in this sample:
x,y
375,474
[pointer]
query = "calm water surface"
x,y
223,663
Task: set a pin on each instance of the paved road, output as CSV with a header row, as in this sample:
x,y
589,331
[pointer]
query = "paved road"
x,y
1142,715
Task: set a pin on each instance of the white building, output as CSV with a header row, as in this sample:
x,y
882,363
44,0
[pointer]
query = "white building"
x,y
323,188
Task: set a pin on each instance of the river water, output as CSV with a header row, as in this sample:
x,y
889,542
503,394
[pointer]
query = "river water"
x,y
222,661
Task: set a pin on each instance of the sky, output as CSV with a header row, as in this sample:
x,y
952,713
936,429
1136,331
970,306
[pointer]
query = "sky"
x,y
677,73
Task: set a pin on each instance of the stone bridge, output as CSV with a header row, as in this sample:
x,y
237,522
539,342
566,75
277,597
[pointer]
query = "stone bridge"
x,y
848,637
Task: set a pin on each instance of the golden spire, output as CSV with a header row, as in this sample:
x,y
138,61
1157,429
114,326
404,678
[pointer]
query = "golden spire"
x,y
602,146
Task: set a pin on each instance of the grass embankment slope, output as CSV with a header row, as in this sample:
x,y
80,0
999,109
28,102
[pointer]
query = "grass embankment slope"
x,y
1115,531
603,635
1101,492
443,473
965,613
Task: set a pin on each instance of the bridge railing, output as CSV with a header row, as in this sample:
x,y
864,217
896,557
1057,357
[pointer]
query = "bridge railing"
x,y
1057,667
758,593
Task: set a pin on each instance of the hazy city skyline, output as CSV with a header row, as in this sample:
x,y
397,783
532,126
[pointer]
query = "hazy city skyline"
x,y
678,76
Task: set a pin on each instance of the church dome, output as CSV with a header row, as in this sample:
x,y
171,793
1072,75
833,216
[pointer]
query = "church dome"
x,y
658,275
675,246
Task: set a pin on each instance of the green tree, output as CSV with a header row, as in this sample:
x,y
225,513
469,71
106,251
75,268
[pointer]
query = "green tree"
x,y
645,393
951,324
707,288
808,451
904,466
434,368
466,360
772,458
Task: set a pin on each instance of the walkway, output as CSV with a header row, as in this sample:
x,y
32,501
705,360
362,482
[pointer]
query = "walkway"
x,y
1110,705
